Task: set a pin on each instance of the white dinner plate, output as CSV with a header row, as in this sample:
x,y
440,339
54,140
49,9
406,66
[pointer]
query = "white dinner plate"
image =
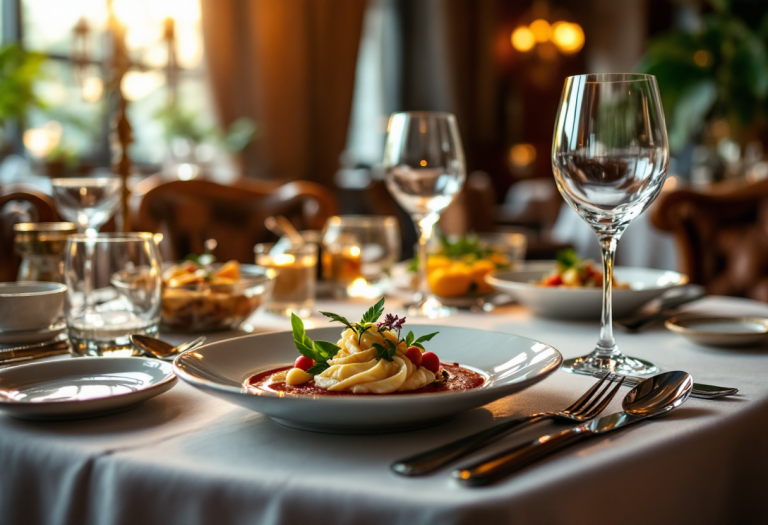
x,y
81,387
509,364
721,331
584,303
33,336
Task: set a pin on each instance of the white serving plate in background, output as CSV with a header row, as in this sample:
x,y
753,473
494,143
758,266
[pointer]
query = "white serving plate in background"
x,y
584,303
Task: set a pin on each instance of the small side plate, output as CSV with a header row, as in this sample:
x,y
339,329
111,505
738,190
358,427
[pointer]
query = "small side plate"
x,y
33,336
721,331
81,387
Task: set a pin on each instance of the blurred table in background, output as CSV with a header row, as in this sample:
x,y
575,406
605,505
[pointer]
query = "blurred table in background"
x,y
642,245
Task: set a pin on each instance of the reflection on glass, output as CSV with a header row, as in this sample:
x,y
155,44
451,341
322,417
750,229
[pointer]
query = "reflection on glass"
x,y
610,156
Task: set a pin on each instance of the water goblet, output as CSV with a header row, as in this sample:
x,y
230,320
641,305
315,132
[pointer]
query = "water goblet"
x,y
610,155
88,202
425,170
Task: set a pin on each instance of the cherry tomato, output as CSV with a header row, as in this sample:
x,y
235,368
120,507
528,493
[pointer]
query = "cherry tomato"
x,y
414,354
430,361
554,280
303,362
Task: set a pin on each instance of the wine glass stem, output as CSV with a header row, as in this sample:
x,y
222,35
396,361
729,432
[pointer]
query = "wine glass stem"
x,y
606,345
425,226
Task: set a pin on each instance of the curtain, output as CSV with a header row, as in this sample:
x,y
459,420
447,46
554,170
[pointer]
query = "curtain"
x,y
290,66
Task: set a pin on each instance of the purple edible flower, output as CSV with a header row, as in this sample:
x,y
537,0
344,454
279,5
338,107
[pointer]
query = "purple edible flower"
x,y
391,322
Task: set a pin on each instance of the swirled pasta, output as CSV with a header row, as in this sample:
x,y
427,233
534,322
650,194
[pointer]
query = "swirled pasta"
x,y
357,367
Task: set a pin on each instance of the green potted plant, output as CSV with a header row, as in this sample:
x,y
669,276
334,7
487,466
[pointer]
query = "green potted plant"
x,y
185,131
716,74
19,70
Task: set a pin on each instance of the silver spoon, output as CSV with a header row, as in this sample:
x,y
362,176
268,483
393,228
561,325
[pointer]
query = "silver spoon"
x,y
162,350
281,226
655,396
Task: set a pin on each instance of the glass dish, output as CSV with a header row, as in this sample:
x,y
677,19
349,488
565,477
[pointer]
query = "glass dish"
x,y
207,307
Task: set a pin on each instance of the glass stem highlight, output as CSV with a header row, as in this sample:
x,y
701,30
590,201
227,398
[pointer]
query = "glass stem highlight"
x,y
424,226
606,345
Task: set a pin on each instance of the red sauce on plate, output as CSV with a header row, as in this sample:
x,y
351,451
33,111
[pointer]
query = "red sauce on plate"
x,y
458,379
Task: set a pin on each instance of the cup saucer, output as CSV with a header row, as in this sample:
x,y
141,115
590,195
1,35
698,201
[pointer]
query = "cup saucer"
x,y
33,336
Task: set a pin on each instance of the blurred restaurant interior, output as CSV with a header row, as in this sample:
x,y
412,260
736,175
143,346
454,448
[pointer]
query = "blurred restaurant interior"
x,y
249,171
261,93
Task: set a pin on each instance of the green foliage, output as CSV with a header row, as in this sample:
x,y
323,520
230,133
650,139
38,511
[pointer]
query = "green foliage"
x,y
467,248
568,259
374,312
19,70
719,72
388,352
319,351
183,123
64,154
468,244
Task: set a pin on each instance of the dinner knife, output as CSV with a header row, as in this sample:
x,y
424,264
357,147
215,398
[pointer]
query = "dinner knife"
x,y
700,390
33,351
656,396
661,308
490,470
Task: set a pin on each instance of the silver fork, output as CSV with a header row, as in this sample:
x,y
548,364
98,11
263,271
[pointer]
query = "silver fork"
x,y
585,408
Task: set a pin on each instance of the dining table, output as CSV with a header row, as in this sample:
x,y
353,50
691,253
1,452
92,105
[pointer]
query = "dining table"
x,y
190,458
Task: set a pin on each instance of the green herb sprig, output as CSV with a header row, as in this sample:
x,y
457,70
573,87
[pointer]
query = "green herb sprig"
x,y
370,316
319,351
322,351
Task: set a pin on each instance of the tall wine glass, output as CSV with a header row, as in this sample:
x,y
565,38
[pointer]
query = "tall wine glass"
x,y
88,202
425,169
610,156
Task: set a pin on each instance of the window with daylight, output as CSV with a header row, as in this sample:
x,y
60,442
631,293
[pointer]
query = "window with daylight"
x,y
165,48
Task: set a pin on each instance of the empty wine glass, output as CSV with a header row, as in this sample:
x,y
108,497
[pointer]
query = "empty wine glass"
x,y
88,202
425,169
610,156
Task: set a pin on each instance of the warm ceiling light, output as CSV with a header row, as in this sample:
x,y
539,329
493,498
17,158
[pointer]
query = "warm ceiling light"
x,y
523,39
568,37
522,155
541,30
702,58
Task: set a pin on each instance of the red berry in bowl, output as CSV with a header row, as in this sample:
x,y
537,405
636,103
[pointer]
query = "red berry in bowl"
x,y
303,362
414,354
430,361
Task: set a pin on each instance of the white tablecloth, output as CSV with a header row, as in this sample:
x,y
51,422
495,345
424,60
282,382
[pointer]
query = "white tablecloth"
x,y
184,457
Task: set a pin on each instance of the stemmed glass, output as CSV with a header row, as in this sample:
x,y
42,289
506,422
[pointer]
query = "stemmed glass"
x,y
88,202
425,169
610,156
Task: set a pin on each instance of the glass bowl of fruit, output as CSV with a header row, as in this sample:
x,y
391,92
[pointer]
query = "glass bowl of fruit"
x,y
207,297
458,267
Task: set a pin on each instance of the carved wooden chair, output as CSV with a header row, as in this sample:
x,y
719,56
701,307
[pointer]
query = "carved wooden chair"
x,y
19,203
189,212
721,236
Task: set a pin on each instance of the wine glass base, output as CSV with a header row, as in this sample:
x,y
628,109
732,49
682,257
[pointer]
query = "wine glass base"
x,y
431,308
620,364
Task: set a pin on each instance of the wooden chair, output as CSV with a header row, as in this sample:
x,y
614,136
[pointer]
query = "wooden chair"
x,y
189,212
474,208
19,203
721,236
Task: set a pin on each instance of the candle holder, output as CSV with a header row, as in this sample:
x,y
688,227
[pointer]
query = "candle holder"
x,y
342,263
296,267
